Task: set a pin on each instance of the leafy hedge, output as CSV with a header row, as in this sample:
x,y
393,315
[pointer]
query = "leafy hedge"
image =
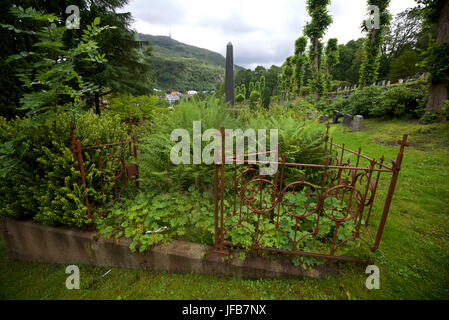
x,y
43,183
373,101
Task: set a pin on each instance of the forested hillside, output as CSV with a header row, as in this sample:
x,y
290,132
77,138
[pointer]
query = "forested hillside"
x,y
179,66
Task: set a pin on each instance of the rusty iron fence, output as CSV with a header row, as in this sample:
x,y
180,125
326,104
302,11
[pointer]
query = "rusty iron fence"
x,y
345,196
125,172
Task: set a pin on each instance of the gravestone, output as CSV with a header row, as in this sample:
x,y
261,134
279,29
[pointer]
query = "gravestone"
x,y
357,124
335,116
347,120
388,83
401,81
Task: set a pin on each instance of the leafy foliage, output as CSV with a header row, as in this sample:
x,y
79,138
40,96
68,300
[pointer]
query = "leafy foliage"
x,y
403,100
44,184
166,215
156,166
374,40
47,72
140,107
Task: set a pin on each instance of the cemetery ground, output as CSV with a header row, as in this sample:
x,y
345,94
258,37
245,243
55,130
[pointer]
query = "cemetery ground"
x,y
413,256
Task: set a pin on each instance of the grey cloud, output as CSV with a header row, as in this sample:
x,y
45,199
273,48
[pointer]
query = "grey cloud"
x,y
262,53
158,12
231,25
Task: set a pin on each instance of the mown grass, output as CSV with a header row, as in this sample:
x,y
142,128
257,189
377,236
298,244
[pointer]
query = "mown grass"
x,y
413,256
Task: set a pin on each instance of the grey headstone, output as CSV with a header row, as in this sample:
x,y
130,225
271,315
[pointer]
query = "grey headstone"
x,y
401,81
347,120
335,116
357,124
388,83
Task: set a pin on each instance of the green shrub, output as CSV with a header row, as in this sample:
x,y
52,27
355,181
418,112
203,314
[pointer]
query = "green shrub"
x,y
402,100
363,101
156,167
239,98
44,182
446,109
300,142
140,107
398,101
172,213
430,117
254,99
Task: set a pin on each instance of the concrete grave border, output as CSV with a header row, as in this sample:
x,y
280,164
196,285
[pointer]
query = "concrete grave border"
x,y
30,241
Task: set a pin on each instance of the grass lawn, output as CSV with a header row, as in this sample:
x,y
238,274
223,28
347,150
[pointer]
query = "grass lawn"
x,y
413,257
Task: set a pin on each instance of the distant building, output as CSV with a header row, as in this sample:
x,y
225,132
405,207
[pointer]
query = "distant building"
x,y
172,97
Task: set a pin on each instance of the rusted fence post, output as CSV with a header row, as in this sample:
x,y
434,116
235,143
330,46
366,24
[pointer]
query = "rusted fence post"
x,y
79,155
394,179
219,212
77,149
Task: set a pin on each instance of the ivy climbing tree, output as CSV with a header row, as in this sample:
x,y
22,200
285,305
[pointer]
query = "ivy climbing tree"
x,y
436,12
300,61
315,30
287,75
375,37
332,59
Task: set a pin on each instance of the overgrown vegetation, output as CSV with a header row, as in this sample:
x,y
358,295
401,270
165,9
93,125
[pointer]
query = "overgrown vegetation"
x,y
413,257
397,101
43,183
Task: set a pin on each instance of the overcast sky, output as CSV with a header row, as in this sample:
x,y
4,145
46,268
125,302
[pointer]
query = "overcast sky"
x,y
263,32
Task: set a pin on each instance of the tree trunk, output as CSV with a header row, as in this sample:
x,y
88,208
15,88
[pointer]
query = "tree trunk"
x,y
437,98
439,92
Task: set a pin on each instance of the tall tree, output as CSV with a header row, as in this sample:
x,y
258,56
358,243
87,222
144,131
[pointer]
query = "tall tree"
x,y
129,66
404,34
332,58
287,75
436,12
128,69
11,90
375,36
315,30
300,61
349,62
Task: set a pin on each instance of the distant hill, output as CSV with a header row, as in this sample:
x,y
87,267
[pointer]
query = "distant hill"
x,y
183,67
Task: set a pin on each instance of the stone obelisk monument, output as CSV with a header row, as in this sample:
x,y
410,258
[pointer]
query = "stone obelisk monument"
x,y
229,77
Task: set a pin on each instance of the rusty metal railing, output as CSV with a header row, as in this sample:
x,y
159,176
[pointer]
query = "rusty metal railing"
x,y
344,198
126,170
